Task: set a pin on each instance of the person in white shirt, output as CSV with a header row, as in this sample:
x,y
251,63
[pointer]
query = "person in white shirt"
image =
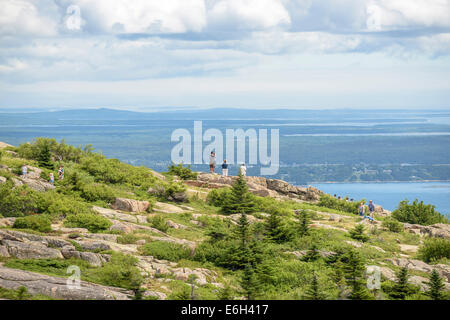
x,y
212,161
243,169
24,170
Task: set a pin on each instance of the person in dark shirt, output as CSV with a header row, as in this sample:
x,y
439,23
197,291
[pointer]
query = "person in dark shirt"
x,y
225,168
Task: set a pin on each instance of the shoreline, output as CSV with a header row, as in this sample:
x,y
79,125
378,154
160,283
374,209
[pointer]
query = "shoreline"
x,y
377,181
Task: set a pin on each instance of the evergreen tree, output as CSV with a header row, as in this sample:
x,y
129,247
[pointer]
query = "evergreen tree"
x,y
240,199
225,293
45,158
358,233
313,254
339,280
303,223
276,230
436,286
313,292
353,268
250,283
241,254
402,288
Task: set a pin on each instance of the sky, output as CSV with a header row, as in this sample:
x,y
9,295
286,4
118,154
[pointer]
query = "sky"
x,y
147,54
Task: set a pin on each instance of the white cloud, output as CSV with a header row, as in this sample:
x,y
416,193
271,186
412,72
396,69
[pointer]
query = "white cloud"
x,y
19,18
248,14
142,16
403,14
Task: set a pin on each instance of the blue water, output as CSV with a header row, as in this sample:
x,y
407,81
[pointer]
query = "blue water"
x,y
390,194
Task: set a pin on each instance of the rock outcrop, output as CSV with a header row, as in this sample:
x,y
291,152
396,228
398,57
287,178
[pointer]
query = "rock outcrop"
x,y
57,287
439,230
130,205
258,186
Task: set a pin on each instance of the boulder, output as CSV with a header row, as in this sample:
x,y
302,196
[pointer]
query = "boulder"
x,y
38,185
30,250
7,222
179,197
131,205
4,251
167,208
438,230
442,269
156,294
93,245
3,179
94,259
57,287
174,225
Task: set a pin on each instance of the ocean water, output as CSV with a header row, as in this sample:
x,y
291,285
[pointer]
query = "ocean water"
x,y
317,145
390,194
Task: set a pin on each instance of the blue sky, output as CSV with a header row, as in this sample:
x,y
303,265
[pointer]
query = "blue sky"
x,y
145,54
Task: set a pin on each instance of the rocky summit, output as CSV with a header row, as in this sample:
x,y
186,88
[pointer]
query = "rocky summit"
x,y
111,231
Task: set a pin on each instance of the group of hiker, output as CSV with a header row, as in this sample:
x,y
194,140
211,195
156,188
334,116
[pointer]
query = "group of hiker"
x,y
212,166
51,176
362,208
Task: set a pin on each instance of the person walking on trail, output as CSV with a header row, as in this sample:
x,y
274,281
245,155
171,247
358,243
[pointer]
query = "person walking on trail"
x,y
61,173
243,169
212,161
225,168
371,208
52,178
24,170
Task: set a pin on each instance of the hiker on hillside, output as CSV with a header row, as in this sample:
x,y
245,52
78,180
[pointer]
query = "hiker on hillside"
x,y
225,168
362,210
24,170
212,161
243,169
371,208
61,172
52,178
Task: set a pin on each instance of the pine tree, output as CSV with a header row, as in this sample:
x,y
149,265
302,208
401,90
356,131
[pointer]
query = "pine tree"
x,y
241,254
358,233
339,280
436,286
313,254
313,292
249,282
225,293
402,288
276,230
45,157
303,223
240,199
353,268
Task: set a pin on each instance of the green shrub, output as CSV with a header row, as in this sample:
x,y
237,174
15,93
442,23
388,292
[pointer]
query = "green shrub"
x,y
173,188
166,250
19,201
39,223
127,239
217,197
64,206
328,201
434,249
418,213
92,222
184,173
392,225
158,222
97,192
120,271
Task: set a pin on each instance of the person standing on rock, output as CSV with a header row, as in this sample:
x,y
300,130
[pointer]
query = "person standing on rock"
x,y
52,178
212,161
225,168
243,169
371,208
24,171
